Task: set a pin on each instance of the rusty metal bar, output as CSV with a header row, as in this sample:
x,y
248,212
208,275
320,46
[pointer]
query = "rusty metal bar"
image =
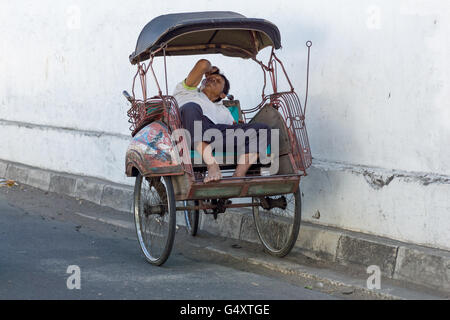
x,y
308,44
154,76
211,206
284,70
165,71
255,41
206,46
273,178
134,83
143,78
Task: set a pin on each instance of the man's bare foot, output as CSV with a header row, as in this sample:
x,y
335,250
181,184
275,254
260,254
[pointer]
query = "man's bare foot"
x,y
244,163
214,173
240,171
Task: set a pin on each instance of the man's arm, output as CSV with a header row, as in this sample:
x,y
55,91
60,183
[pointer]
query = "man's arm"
x,y
202,67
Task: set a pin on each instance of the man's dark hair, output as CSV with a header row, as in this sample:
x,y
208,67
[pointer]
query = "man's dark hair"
x,y
226,86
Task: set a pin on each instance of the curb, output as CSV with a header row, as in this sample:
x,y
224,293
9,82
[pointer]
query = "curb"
x,y
101,192
347,284
426,267
418,265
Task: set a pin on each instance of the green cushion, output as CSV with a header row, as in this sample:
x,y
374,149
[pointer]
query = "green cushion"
x,y
234,110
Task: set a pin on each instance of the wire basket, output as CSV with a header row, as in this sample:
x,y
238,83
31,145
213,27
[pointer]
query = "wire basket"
x,y
289,106
142,113
164,108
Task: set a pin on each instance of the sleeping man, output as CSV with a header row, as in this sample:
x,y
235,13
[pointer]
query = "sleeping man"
x,y
202,108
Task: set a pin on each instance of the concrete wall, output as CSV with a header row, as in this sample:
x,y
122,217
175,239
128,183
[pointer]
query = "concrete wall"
x,y
377,114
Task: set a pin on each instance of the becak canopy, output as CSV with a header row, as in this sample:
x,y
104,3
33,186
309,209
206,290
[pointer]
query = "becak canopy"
x,y
225,32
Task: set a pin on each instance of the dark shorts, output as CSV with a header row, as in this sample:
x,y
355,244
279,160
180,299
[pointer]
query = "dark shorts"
x,y
246,141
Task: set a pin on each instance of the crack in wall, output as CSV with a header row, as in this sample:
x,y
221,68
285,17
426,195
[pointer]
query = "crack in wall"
x,y
89,133
377,181
378,178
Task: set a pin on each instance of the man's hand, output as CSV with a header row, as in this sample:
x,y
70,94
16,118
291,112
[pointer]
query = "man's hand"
x,y
201,68
213,70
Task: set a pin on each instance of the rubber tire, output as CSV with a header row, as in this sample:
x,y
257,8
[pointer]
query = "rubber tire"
x,y
294,232
158,261
192,218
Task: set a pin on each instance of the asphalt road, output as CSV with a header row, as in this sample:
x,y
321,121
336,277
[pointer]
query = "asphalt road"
x,y
40,237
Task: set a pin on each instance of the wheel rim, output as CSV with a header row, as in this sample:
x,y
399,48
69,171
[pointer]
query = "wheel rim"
x,y
278,228
154,218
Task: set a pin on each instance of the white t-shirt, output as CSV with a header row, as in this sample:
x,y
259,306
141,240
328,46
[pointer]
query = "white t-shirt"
x,y
216,112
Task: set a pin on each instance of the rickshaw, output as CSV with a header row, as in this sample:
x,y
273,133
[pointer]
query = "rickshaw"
x,y
167,178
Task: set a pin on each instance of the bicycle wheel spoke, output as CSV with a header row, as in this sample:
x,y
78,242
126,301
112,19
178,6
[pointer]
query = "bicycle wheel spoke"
x,y
278,228
155,217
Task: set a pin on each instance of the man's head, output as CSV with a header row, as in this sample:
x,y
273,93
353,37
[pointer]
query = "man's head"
x,y
216,86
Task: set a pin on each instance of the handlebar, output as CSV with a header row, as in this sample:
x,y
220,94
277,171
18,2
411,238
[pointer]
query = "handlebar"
x,y
127,96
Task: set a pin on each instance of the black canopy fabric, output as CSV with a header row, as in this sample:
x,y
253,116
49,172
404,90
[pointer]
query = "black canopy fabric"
x,y
225,32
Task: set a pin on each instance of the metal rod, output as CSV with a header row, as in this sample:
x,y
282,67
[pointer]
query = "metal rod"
x,y
211,206
165,70
255,42
284,71
264,69
134,83
274,178
308,44
206,46
154,76
143,78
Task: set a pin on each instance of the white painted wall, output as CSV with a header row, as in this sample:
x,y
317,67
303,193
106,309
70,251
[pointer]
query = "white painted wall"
x,y
378,103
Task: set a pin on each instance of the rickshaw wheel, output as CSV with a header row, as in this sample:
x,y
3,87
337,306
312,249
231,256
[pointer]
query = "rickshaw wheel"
x,y
192,217
155,217
278,228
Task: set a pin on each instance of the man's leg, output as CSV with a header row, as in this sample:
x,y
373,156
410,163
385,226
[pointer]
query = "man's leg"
x,y
205,150
248,148
191,112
